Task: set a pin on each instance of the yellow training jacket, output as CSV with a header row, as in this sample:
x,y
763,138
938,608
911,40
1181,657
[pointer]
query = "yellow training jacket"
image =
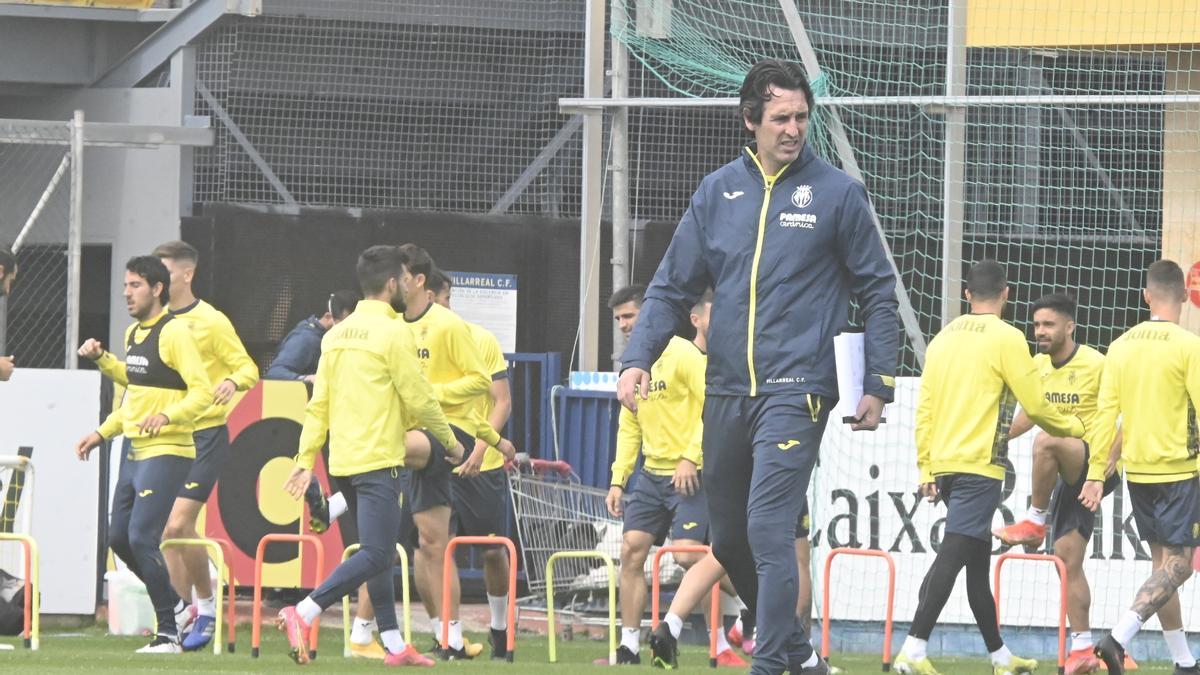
x,y
1152,381
220,348
368,391
495,364
451,362
667,426
1073,387
178,352
976,370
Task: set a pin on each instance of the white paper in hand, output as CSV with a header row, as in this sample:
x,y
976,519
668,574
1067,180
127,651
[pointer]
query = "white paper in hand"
x,y
848,353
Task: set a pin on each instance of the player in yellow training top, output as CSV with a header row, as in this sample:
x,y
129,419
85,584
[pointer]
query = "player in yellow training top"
x,y
451,362
1070,374
667,497
230,370
166,391
367,392
480,486
976,370
1151,381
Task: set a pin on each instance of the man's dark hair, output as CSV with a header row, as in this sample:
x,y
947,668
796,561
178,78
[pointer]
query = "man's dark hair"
x,y
153,270
8,261
1165,281
1059,302
705,299
756,88
437,281
419,262
634,293
342,302
180,251
378,264
986,280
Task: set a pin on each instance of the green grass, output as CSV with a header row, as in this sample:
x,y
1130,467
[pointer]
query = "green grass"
x,y
93,651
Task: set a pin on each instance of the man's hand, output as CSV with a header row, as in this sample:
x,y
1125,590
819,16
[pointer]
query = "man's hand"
x,y
91,349
224,392
870,411
613,501
686,479
455,455
297,483
309,379
634,384
507,449
1091,494
6,368
470,466
83,449
929,491
153,424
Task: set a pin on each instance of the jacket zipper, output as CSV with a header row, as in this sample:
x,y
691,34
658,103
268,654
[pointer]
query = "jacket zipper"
x,y
762,229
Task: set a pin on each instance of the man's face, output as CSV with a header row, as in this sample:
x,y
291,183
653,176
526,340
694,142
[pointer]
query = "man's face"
x,y
626,315
781,133
700,318
443,298
181,272
139,297
1050,330
7,279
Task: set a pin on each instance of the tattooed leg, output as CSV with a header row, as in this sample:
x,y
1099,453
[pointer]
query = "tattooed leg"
x,y
1172,569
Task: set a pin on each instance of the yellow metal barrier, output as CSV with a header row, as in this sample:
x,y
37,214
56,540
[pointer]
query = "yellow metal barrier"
x,y
223,575
403,555
612,600
33,603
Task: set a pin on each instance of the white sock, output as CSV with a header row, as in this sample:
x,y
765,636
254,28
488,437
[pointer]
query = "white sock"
x,y
207,607
812,660
674,624
914,648
456,640
722,643
1081,640
1127,626
392,640
435,625
499,607
361,630
308,610
337,506
1177,642
630,637
180,608
1037,515
1001,657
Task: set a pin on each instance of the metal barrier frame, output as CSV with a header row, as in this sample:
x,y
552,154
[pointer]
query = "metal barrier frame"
x,y
1062,595
447,566
403,589
612,600
259,555
716,623
33,603
218,549
891,599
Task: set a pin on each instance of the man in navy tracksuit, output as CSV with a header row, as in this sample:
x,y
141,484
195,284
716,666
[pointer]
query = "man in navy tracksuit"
x,y
784,239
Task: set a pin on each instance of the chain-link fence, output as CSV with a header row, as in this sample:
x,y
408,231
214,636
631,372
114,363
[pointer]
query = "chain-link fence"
x,y
38,321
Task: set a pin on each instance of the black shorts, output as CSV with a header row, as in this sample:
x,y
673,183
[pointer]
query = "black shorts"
x,y
430,487
655,507
1167,513
803,523
971,501
480,504
1067,514
212,447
